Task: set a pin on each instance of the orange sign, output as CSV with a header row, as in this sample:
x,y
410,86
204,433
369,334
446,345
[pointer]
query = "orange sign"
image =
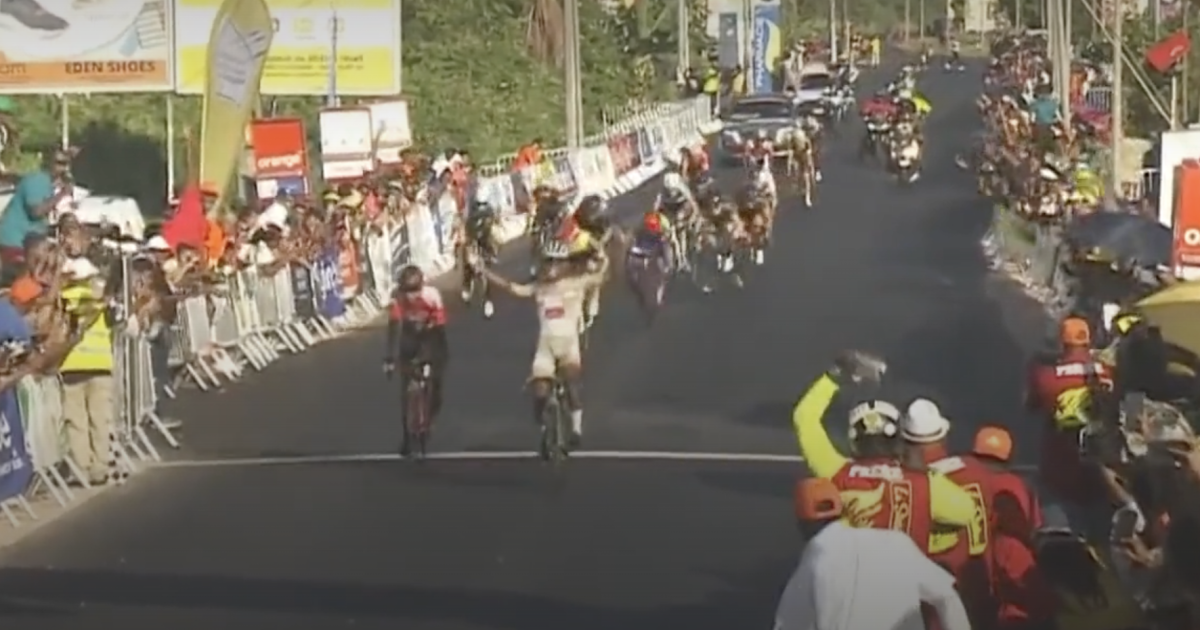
x,y
1186,226
86,47
279,147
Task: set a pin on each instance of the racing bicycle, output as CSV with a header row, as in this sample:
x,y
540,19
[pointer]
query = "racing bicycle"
x,y
556,423
418,408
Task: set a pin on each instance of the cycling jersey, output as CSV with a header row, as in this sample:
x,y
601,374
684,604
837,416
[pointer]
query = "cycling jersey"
x,y
1058,390
948,504
426,307
649,244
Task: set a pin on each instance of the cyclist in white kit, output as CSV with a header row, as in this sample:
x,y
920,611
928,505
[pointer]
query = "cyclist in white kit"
x,y
560,291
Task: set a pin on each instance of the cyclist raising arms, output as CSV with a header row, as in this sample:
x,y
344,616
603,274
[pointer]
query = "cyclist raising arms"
x,y
560,296
417,328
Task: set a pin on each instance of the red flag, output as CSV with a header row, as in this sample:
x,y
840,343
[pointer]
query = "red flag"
x,y
187,226
1167,52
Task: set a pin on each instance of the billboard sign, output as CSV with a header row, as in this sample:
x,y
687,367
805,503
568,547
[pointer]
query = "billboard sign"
x,y
392,132
1176,146
68,47
279,148
367,35
766,46
347,143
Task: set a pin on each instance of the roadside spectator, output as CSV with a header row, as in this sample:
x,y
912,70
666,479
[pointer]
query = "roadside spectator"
x,y
35,197
528,155
88,387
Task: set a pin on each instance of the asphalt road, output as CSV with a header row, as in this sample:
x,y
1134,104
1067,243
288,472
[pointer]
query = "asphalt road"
x,y
236,537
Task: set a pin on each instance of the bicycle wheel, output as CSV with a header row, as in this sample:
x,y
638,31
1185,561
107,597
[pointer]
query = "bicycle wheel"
x,y
562,436
417,416
550,429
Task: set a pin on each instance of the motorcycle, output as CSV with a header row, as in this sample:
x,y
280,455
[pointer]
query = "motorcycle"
x,y
873,142
906,159
647,276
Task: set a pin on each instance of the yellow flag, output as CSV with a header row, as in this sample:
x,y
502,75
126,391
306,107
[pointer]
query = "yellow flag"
x,y
237,52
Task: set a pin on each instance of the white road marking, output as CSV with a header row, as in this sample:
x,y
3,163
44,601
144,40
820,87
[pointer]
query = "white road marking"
x,y
358,458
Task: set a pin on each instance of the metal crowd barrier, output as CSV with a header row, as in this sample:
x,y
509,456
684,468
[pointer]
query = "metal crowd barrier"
x,y
1033,253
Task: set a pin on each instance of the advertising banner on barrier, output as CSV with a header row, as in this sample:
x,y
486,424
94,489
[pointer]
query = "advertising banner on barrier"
x,y
623,153
16,470
348,268
240,36
766,46
368,46
392,131
347,143
280,151
87,47
327,285
302,291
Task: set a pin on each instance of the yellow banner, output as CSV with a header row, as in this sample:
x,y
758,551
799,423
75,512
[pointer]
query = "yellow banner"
x,y
237,51
367,34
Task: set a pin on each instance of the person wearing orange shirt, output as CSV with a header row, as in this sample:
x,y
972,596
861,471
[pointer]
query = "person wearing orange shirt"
x,y
529,155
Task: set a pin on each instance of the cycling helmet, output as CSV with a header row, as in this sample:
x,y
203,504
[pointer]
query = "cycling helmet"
x,y
591,208
761,134
7,106
556,250
653,223
874,417
411,279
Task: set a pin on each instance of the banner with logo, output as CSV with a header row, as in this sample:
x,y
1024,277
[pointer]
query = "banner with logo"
x,y
86,47
349,269
1175,147
766,46
16,468
392,133
367,33
347,143
327,285
302,291
240,37
280,153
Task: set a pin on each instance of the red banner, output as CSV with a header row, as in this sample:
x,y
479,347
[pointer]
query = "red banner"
x,y
280,148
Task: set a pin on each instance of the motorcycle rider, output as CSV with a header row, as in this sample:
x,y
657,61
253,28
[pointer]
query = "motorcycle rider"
x,y
676,201
955,53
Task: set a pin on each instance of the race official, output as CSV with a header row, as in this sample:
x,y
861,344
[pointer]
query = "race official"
x,y
876,488
854,578
1061,391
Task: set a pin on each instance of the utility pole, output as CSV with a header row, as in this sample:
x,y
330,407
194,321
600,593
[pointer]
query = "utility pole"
x,y
1118,100
921,20
833,29
683,35
1020,24
907,19
572,78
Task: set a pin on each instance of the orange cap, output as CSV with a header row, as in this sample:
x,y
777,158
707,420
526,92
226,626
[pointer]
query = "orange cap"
x,y
817,499
1074,331
24,290
994,442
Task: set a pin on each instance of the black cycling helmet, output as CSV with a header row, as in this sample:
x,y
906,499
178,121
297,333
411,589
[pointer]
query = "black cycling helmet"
x,y
411,279
592,207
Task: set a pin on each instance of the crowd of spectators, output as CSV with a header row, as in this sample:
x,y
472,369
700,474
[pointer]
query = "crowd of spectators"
x,y
71,290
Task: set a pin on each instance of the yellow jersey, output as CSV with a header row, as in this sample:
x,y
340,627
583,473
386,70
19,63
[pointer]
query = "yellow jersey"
x,y
949,504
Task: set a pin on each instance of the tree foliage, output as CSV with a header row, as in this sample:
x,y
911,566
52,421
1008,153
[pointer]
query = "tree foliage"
x,y
473,76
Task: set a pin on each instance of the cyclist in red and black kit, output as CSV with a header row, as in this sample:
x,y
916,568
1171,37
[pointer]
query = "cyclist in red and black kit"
x,y
417,328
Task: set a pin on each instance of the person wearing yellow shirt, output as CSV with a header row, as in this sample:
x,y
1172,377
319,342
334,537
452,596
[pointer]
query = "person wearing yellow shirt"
x,y
88,390
949,505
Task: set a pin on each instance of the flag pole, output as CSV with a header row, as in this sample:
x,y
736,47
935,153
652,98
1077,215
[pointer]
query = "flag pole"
x,y
331,98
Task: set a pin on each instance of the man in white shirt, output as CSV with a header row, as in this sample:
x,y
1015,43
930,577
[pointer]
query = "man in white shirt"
x,y
858,579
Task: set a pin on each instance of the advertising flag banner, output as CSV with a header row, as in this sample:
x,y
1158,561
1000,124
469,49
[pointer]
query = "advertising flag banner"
x,y
766,46
367,36
241,35
73,46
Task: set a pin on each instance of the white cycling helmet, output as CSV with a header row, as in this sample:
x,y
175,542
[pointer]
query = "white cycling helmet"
x,y
874,417
761,134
